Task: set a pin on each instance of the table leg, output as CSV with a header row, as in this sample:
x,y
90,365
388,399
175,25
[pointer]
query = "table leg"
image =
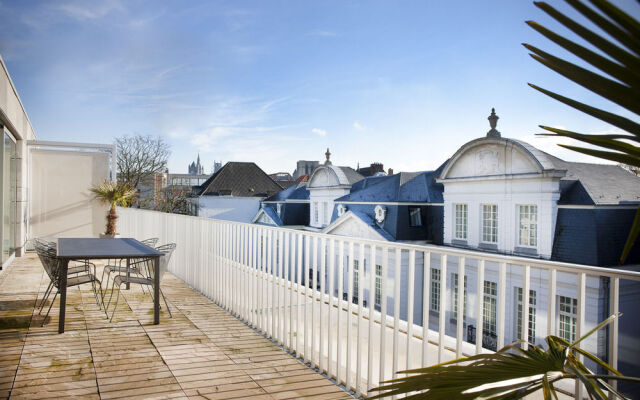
x,y
64,267
128,285
156,291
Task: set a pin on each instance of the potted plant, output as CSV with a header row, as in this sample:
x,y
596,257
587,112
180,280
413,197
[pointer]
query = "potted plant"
x,y
114,194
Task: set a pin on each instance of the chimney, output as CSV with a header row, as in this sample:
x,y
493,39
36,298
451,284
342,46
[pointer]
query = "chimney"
x,y
390,172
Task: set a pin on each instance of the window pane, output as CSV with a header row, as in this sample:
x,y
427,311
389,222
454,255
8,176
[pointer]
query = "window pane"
x,y
490,223
461,221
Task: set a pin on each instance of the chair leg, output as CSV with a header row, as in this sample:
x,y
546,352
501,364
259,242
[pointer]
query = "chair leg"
x,y
44,297
110,297
166,304
49,310
115,306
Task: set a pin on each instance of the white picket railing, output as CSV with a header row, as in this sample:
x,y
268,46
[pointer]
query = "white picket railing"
x,y
258,274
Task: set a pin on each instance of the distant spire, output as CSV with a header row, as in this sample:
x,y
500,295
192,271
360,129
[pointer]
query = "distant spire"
x,y
328,155
493,122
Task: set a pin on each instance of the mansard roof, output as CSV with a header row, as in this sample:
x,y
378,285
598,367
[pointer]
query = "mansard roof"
x,y
364,219
295,192
401,187
239,179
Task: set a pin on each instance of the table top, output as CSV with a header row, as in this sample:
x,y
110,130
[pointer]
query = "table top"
x,y
88,248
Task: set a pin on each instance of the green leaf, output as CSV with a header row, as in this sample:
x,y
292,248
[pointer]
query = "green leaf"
x,y
624,36
623,74
607,155
614,119
612,144
611,49
607,88
631,239
623,19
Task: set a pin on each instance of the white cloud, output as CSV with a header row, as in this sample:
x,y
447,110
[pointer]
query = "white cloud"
x,y
323,33
358,126
319,132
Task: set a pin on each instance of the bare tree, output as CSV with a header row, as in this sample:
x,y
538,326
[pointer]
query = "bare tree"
x,y
140,157
176,201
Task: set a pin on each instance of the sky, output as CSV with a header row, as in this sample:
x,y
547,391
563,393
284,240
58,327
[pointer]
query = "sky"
x,y
405,83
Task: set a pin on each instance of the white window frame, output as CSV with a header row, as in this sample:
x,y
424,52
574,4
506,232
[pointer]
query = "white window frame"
x,y
490,307
434,304
531,329
531,226
567,315
325,211
492,235
454,296
279,209
463,233
415,211
316,218
356,278
377,299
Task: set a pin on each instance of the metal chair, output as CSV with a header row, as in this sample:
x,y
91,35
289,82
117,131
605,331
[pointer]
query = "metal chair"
x,y
79,268
147,279
134,265
51,264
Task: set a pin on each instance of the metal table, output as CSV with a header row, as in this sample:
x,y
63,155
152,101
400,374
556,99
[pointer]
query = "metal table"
x,y
97,249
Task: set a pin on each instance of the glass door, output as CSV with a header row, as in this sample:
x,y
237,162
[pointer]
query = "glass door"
x,y
9,194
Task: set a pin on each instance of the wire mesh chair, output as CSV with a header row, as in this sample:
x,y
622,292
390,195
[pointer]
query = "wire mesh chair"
x,y
79,268
147,279
117,267
51,264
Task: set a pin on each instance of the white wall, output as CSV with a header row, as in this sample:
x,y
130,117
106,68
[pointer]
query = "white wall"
x,y
318,196
228,208
61,203
507,194
14,118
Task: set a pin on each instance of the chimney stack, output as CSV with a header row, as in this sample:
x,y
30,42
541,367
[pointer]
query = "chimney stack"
x,y
390,172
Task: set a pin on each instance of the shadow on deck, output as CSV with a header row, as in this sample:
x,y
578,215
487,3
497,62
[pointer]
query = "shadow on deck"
x,y
200,353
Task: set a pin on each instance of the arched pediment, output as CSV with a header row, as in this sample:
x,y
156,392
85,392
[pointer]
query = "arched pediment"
x,y
327,176
495,157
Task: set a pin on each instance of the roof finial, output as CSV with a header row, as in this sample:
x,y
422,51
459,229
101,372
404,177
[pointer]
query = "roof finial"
x,y
493,122
327,154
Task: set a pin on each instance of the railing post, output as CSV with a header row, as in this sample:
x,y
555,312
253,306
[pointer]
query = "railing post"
x,y
410,301
372,306
426,274
460,306
442,314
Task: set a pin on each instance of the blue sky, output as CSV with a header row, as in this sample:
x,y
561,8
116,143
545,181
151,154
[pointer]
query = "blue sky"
x,y
405,83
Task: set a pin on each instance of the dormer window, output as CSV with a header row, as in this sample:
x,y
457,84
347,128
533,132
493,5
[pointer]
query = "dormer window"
x,y
415,216
279,209
381,213
341,210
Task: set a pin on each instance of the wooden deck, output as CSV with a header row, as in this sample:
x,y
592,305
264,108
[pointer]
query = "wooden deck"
x,y
200,353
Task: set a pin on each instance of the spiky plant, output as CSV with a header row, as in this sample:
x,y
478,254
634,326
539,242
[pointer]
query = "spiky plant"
x,y
619,61
114,194
510,373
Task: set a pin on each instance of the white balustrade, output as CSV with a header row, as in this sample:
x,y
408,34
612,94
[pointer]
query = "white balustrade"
x,y
317,295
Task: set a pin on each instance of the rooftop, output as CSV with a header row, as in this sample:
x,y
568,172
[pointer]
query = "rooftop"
x,y
202,352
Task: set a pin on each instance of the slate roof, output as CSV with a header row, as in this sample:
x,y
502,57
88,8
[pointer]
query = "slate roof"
x,y
591,183
603,184
298,192
239,179
400,187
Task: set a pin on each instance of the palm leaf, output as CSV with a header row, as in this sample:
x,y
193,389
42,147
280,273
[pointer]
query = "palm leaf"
x,y
631,239
623,19
627,37
607,155
630,77
613,119
612,50
607,88
595,140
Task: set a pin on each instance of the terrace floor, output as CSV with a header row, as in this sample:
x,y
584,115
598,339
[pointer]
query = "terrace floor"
x,y
201,353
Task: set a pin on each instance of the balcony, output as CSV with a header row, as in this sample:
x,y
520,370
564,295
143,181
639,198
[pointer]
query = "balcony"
x,y
292,286
203,352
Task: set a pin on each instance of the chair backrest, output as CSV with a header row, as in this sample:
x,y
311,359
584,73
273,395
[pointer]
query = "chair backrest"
x,y
150,242
167,249
47,253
